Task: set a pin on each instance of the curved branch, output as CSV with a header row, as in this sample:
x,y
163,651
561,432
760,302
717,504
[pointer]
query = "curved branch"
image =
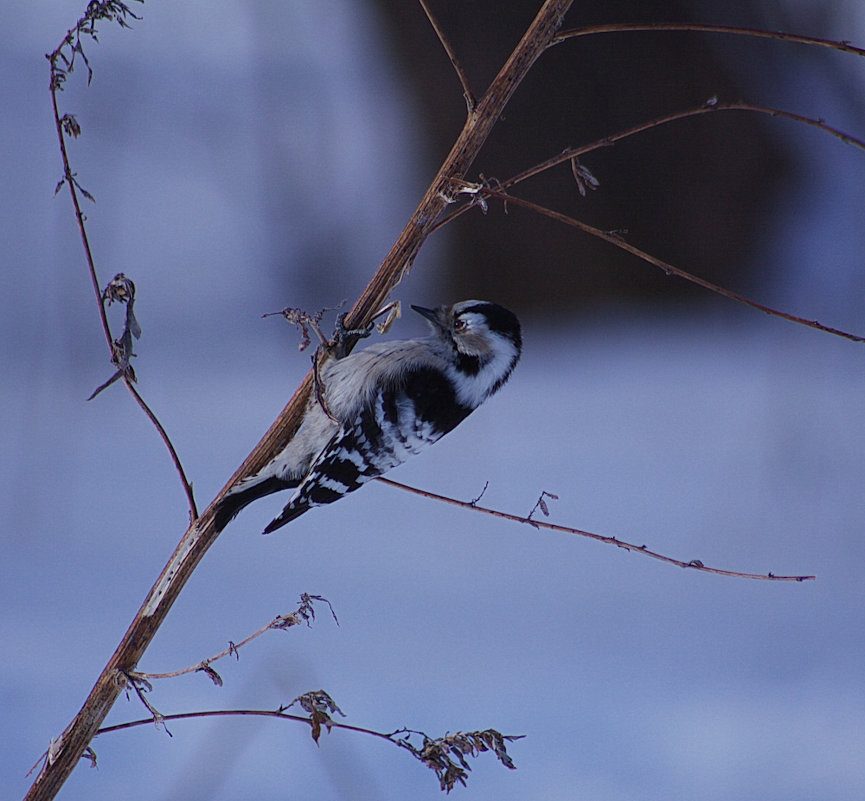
x,y
669,269
304,613
451,53
175,458
693,564
710,107
114,11
569,154
756,33
444,755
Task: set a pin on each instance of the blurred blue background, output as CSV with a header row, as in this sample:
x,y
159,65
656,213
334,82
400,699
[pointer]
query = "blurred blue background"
x,y
268,155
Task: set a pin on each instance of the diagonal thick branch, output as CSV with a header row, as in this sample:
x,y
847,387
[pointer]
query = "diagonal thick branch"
x,y
203,532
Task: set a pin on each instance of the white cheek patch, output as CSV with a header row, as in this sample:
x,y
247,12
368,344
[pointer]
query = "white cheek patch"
x,y
475,343
493,372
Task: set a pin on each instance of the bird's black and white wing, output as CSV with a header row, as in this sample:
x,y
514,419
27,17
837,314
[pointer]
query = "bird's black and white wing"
x,y
385,403
403,419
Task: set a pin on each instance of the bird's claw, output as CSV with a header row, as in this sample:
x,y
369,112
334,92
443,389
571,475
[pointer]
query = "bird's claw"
x,y
343,337
342,333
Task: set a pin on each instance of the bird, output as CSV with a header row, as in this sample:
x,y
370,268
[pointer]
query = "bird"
x,y
380,405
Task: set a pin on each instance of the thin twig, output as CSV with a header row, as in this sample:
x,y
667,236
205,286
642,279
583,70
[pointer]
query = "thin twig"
x,y
709,107
141,687
495,190
283,621
79,216
693,564
304,613
175,458
446,755
451,53
55,86
217,713
755,33
669,269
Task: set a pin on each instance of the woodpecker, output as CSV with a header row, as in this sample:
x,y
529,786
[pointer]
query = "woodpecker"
x,y
378,406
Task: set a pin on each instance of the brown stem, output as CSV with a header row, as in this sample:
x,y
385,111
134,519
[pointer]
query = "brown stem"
x,y
163,434
755,33
494,190
614,239
203,533
451,53
693,564
706,108
100,303
220,713
304,612
79,216
676,116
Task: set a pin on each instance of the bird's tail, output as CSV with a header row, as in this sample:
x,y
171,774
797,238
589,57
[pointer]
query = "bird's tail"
x,y
288,514
240,497
320,487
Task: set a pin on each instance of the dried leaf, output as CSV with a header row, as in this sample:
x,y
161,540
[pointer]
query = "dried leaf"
x,y
211,674
583,176
319,705
447,755
70,125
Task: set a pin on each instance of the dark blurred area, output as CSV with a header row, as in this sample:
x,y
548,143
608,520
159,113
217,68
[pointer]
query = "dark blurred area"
x,y
694,193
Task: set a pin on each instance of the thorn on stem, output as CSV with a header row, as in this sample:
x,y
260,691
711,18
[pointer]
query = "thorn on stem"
x,y
474,501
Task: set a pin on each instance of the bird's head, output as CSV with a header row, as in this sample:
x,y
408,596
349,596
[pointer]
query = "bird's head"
x,y
484,340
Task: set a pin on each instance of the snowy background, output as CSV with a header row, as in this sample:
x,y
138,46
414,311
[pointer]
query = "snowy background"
x,y
708,432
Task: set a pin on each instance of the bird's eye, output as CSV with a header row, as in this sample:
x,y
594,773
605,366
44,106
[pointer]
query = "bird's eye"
x,y
460,324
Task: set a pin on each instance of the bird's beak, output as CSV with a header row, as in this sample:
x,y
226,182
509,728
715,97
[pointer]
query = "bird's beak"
x,y
430,314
